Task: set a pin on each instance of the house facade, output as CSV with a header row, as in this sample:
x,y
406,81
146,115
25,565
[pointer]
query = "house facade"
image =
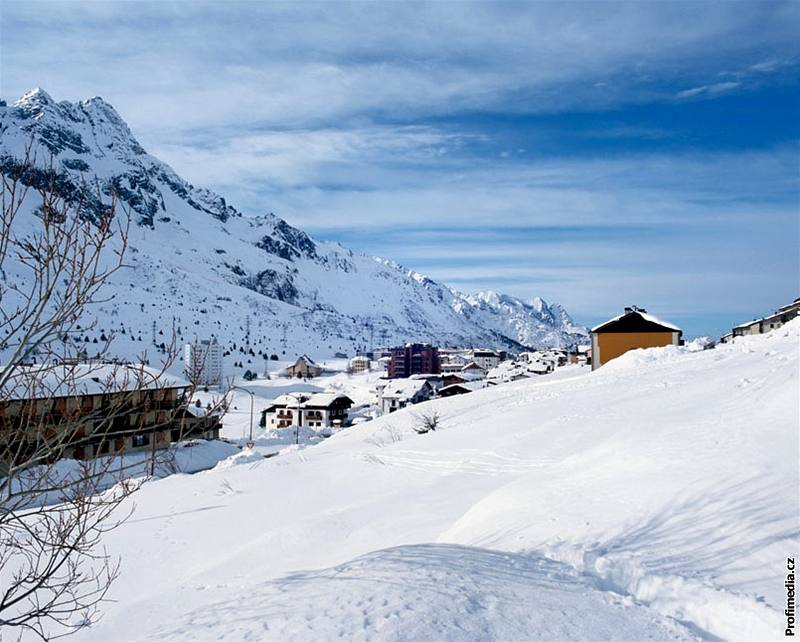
x,y
316,411
304,367
359,364
473,370
486,359
399,394
633,329
91,410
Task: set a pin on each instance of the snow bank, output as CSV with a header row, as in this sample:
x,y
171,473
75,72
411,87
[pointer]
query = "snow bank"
x,y
428,592
661,493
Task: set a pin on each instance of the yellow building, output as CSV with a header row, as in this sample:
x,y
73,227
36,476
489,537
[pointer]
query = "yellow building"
x,y
635,328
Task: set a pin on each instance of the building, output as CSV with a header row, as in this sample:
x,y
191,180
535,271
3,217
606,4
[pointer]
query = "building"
x,y
782,315
399,394
359,364
766,324
581,354
414,358
436,380
304,367
472,370
744,329
486,359
461,388
317,410
202,362
450,379
95,409
452,367
633,329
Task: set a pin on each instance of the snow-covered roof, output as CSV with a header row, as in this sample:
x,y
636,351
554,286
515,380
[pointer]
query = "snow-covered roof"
x,y
747,324
537,366
404,388
45,381
324,399
307,400
644,315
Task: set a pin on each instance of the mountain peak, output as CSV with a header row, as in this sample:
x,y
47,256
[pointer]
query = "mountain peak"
x,y
194,244
37,95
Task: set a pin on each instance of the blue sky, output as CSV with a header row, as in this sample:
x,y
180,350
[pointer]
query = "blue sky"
x,y
595,154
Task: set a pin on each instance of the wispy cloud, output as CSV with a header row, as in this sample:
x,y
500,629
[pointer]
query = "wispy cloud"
x,y
182,65
706,90
572,150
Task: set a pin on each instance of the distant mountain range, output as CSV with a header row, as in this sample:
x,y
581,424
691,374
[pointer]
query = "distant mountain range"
x,y
197,264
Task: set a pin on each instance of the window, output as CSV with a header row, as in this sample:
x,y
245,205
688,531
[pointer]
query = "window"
x,y
140,440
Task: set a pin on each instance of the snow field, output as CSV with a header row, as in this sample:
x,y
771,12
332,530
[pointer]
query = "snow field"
x,y
655,499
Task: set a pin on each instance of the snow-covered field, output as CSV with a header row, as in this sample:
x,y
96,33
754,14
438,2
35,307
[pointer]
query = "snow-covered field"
x,y
655,498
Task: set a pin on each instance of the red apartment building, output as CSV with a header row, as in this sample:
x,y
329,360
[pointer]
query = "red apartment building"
x,y
414,358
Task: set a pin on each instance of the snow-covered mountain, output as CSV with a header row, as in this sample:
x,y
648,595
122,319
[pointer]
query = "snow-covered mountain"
x,y
198,265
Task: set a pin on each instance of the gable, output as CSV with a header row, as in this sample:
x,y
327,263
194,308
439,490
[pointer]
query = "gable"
x,y
635,322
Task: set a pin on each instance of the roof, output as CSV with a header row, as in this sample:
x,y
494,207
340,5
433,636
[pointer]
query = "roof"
x,y
45,381
635,321
306,358
307,400
747,324
466,387
404,388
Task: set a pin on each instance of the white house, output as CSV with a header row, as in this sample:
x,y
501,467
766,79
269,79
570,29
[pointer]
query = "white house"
x,y
317,410
202,362
473,368
486,359
359,364
400,393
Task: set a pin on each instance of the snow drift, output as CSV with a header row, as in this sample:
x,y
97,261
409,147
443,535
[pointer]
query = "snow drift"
x,y
655,499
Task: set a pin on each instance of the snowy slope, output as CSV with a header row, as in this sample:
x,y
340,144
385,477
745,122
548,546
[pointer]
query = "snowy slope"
x,y
199,265
655,498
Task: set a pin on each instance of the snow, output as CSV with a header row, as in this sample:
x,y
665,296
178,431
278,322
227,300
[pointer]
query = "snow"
x,y
197,265
654,498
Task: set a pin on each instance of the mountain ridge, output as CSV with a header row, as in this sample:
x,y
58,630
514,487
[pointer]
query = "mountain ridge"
x,y
192,255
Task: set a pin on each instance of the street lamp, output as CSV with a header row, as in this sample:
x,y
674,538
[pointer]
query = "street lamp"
x,y
297,430
250,442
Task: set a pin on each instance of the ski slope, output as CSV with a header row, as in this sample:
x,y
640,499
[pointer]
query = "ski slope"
x,y
653,499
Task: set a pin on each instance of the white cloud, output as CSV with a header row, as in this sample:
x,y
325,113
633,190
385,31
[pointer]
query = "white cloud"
x,y
709,90
179,66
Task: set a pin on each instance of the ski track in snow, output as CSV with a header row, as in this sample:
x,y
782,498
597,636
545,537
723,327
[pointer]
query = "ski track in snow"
x,y
470,461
